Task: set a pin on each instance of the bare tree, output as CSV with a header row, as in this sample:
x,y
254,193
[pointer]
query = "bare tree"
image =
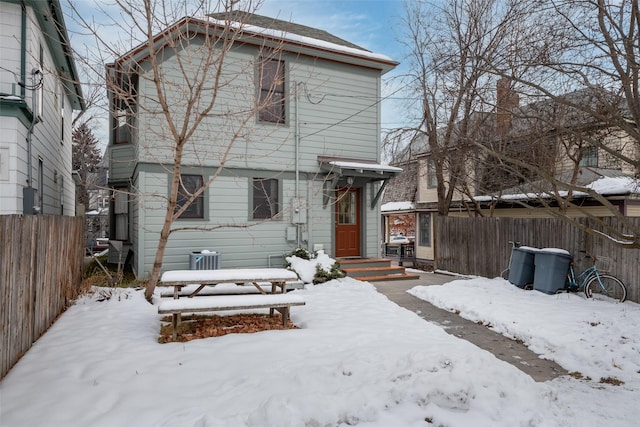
x,y
585,63
449,44
567,84
166,85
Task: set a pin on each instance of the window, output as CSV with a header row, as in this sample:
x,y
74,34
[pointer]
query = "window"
x,y
266,200
589,157
103,202
347,208
62,97
40,83
121,212
432,180
189,185
425,229
271,102
61,195
125,105
40,202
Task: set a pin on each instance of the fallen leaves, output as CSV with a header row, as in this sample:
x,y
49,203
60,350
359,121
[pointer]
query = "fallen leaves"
x,y
197,327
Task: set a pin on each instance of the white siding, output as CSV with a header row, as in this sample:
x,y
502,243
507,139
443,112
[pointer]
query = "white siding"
x,y
10,30
13,159
58,185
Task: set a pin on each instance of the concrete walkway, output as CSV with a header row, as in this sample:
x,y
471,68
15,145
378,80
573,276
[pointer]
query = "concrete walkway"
x,y
502,347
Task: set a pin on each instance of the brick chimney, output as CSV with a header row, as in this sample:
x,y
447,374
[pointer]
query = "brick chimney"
x,y
506,101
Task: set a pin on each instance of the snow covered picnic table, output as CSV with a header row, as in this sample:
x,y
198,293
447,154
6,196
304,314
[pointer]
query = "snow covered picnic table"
x,y
278,277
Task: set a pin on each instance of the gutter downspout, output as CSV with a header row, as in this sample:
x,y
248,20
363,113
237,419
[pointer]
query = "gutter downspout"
x,y
297,162
23,50
28,193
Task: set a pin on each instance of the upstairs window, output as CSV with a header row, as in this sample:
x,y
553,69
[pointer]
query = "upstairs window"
x,y
432,179
589,157
124,87
189,185
271,105
266,198
40,83
61,106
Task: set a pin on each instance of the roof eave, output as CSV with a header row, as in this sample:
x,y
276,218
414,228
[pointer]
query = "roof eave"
x,y
345,55
51,20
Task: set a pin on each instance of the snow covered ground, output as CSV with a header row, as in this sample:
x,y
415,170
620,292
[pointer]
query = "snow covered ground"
x,y
358,359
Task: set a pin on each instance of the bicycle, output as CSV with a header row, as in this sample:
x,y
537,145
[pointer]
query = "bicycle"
x,y
505,273
596,282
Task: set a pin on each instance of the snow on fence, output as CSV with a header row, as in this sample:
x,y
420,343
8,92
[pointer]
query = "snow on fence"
x,y
480,246
41,260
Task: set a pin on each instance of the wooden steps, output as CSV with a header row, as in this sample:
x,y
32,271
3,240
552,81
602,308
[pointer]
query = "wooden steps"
x,y
374,270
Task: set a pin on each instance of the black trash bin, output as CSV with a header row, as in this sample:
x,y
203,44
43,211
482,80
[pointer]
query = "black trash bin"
x,y
522,265
551,269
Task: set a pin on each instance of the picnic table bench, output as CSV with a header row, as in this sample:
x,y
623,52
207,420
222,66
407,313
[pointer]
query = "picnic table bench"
x,y
197,280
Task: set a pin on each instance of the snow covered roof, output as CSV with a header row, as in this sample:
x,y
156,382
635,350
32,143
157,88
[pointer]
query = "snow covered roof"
x,y
289,31
397,206
371,170
615,185
258,22
606,186
365,166
276,34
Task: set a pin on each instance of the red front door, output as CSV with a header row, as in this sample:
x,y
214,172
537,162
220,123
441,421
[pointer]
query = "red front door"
x,y
347,218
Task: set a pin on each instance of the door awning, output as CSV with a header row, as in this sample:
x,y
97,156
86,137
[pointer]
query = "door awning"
x,y
363,170
371,171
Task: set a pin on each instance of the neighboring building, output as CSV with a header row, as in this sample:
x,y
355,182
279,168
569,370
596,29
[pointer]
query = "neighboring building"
x,y
39,90
399,215
569,145
97,216
307,174
553,137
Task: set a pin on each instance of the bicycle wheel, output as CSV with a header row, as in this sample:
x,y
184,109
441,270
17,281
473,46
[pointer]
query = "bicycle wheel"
x,y
607,287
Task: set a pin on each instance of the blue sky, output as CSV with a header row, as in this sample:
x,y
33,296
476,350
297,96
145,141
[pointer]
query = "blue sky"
x,y
375,25
372,24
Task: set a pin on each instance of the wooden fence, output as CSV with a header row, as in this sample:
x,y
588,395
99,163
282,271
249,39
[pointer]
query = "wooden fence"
x,y
480,246
40,273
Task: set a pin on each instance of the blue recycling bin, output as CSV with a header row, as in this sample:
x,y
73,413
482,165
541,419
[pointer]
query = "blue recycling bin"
x,y
551,269
522,266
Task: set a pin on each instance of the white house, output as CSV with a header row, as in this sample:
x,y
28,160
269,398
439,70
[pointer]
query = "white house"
x,y
303,171
39,90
